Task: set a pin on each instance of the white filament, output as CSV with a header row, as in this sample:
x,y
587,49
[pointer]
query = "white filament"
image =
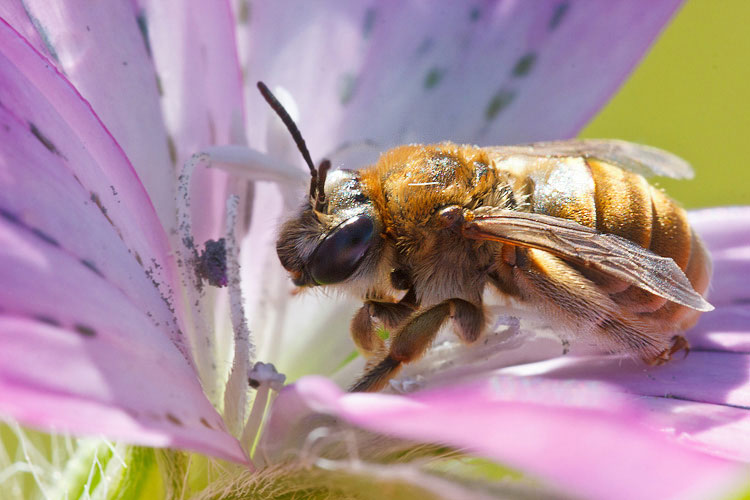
x,y
254,165
201,337
236,395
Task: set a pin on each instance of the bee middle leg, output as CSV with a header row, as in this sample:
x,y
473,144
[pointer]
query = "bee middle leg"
x,y
578,305
414,338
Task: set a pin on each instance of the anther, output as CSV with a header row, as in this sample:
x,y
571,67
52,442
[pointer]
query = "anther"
x,y
265,374
211,264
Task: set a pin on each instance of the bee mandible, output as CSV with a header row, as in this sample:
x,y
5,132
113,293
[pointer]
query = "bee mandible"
x,y
570,228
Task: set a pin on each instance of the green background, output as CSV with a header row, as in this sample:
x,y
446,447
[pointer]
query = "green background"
x,y
690,96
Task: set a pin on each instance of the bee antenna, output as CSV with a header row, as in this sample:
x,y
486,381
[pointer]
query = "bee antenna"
x,y
320,199
296,135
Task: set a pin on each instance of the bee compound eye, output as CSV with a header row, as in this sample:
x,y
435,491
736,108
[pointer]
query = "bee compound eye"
x,y
341,252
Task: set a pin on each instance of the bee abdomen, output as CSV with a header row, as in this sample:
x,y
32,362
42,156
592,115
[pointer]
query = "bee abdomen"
x,y
626,205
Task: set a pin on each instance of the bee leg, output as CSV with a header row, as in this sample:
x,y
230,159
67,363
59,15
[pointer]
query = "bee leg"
x,y
408,344
468,320
363,333
412,340
679,343
576,304
391,314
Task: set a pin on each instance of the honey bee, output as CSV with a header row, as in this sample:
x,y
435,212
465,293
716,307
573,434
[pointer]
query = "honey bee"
x,y
570,228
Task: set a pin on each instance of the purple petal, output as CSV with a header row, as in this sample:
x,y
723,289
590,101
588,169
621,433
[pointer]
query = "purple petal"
x,y
195,55
705,376
102,50
725,329
64,175
54,379
79,356
561,444
494,72
86,334
726,233
723,227
719,430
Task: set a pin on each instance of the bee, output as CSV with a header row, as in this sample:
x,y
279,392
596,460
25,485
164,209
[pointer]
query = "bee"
x,y
569,228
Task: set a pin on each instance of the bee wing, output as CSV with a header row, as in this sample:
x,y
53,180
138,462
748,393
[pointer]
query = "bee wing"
x,y
643,160
608,253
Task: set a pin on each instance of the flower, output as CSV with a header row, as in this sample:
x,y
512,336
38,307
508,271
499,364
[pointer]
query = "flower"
x,y
106,326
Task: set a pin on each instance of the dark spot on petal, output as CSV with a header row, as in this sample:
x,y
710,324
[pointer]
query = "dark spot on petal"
x,y
42,34
92,267
84,330
498,103
253,383
172,150
44,236
98,202
524,64
433,78
205,423
159,86
138,259
369,22
174,420
124,63
47,320
46,142
426,46
211,265
211,129
140,18
474,14
558,14
243,12
347,88
10,217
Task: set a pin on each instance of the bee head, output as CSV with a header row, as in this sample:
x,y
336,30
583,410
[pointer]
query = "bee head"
x,y
335,231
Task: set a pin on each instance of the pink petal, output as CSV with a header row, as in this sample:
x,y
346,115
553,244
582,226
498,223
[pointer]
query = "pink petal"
x,y
704,376
77,350
57,379
495,72
703,399
587,453
101,49
195,55
86,334
58,154
719,430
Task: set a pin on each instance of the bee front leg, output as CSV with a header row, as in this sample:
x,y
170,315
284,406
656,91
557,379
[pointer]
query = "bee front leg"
x,y
363,332
391,314
412,340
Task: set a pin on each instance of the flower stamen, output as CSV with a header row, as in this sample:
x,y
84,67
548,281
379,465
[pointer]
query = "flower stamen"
x,y
264,378
202,341
236,394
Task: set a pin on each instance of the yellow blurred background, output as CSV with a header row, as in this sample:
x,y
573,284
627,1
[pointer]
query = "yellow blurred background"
x,y
691,95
